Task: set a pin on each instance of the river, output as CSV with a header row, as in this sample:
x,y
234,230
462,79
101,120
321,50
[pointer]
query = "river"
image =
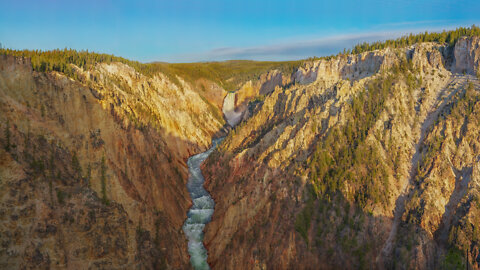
x,y
201,211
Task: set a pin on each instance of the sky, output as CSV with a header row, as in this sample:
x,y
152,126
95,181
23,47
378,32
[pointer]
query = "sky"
x,y
215,30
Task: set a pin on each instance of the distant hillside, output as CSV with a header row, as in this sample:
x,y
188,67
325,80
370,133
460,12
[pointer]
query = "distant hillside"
x,y
228,74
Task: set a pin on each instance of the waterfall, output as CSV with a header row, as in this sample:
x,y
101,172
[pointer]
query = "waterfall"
x,y
228,109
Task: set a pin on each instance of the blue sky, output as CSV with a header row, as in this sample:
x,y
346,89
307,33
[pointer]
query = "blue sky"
x,y
204,30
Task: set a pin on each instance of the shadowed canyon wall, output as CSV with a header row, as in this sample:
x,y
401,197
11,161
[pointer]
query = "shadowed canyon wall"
x,y
93,171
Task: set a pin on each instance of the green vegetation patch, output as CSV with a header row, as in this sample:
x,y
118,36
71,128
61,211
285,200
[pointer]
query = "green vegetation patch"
x,y
454,259
344,157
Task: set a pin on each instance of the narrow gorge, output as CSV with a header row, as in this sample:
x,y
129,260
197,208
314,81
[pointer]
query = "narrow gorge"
x,y
202,203
201,211
368,159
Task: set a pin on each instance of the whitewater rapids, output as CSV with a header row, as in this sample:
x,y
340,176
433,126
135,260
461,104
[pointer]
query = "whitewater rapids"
x,y
201,211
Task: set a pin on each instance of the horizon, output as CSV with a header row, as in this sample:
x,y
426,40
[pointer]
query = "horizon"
x,y
211,31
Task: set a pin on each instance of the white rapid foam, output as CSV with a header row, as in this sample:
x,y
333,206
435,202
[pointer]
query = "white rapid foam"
x,y
201,211
228,109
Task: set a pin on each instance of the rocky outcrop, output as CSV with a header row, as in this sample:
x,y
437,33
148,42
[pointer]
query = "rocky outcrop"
x,y
467,55
349,67
442,191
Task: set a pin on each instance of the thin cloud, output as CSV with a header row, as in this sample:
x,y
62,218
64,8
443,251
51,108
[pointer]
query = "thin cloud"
x,y
289,50
305,47
301,49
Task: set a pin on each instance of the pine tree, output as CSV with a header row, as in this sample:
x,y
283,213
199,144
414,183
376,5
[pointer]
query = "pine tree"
x,y
7,136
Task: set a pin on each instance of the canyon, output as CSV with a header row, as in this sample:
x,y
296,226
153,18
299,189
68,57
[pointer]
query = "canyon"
x,y
355,161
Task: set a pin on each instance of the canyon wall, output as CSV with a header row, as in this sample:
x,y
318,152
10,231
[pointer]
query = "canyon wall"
x,y
92,170
365,161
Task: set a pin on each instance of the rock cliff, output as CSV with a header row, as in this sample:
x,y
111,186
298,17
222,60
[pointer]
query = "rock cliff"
x,y
93,170
363,161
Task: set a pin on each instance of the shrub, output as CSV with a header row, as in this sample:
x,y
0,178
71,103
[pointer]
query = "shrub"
x,y
302,223
60,196
103,179
7,136
454,259
76,165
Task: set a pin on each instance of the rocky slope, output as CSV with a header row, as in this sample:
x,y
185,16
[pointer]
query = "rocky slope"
x,y
92,171
359,161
